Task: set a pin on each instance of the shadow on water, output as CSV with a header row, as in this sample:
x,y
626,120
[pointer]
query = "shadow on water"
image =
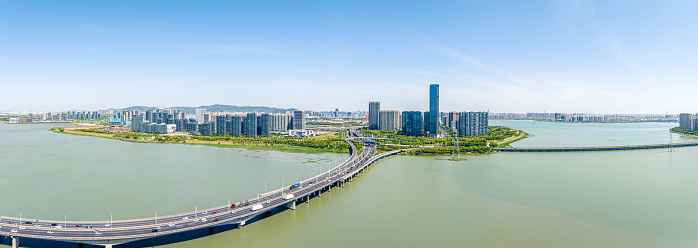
x,y
150,242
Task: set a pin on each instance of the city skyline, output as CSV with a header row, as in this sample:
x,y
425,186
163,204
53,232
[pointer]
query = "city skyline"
x,y
606,57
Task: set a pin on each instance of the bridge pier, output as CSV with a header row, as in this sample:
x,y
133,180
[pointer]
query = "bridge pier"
x,y
291,205
108,246
15,242
210,230
80,245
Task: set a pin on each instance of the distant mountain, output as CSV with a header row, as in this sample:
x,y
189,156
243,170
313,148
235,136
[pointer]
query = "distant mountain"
x,y
218,108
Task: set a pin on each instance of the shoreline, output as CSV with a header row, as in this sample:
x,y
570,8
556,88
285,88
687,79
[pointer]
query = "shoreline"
x,y
274,147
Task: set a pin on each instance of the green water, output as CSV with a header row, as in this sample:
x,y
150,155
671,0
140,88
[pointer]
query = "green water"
x,y
644,198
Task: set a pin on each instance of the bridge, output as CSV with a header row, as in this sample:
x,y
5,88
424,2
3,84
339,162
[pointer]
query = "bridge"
x,y
110,233
594,149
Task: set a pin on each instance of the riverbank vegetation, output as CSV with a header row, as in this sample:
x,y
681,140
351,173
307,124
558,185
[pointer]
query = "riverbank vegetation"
x,y
393,140
323,144
332,142
683,131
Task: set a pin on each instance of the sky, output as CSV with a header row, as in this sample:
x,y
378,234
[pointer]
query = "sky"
x,y
611,56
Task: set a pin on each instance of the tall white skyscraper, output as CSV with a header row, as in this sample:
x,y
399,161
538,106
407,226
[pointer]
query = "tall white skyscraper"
x,y
200,115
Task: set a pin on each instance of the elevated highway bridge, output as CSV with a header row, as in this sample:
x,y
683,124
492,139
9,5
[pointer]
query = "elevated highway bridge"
x,y
108,234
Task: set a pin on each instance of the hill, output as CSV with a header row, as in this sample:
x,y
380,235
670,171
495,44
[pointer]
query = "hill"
x,y
217,108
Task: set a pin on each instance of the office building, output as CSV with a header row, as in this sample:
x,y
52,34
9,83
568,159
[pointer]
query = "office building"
x,y
434,114
298,120
200,116
412,123
473,124
250,125
374,109
389,119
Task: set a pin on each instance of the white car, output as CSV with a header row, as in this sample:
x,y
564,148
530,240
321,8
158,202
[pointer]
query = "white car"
x,y
14,230
49,232
21,227
171,224
185,218
107,224
98,233
59,226
37,225
203,220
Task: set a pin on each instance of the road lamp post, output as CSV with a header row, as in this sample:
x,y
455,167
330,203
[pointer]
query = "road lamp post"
x,y
20,218
229,206
196,209
111,220
311,174
265,188
282,186
156,217
65,220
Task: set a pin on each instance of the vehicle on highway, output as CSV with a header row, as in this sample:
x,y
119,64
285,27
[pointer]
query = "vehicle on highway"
x,y
21,227
203,220
232,205
28,222
154,230
49,232
215,212
107,225
54,224
98,233
257,207
13,230
288,196
295,186
78,225
185,218
171,224
88,227
59,226
37,225
215,220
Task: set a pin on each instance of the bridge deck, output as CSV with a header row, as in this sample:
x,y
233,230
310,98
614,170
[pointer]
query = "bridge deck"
x,y
593,149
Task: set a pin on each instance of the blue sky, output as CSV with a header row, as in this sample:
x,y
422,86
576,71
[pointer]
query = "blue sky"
x,y
503,56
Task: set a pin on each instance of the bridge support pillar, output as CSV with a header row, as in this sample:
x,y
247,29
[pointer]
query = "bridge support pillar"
x,y
210,230
291,205
80,245
242,223
108,246
318,193
15,242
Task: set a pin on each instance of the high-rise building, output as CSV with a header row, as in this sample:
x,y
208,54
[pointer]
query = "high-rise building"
x,y
264,125
685,121
473,124
280,122
136,123
389,119
236,125
220,125
412,123
251,125
200,116
433,127
374,109
298,120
